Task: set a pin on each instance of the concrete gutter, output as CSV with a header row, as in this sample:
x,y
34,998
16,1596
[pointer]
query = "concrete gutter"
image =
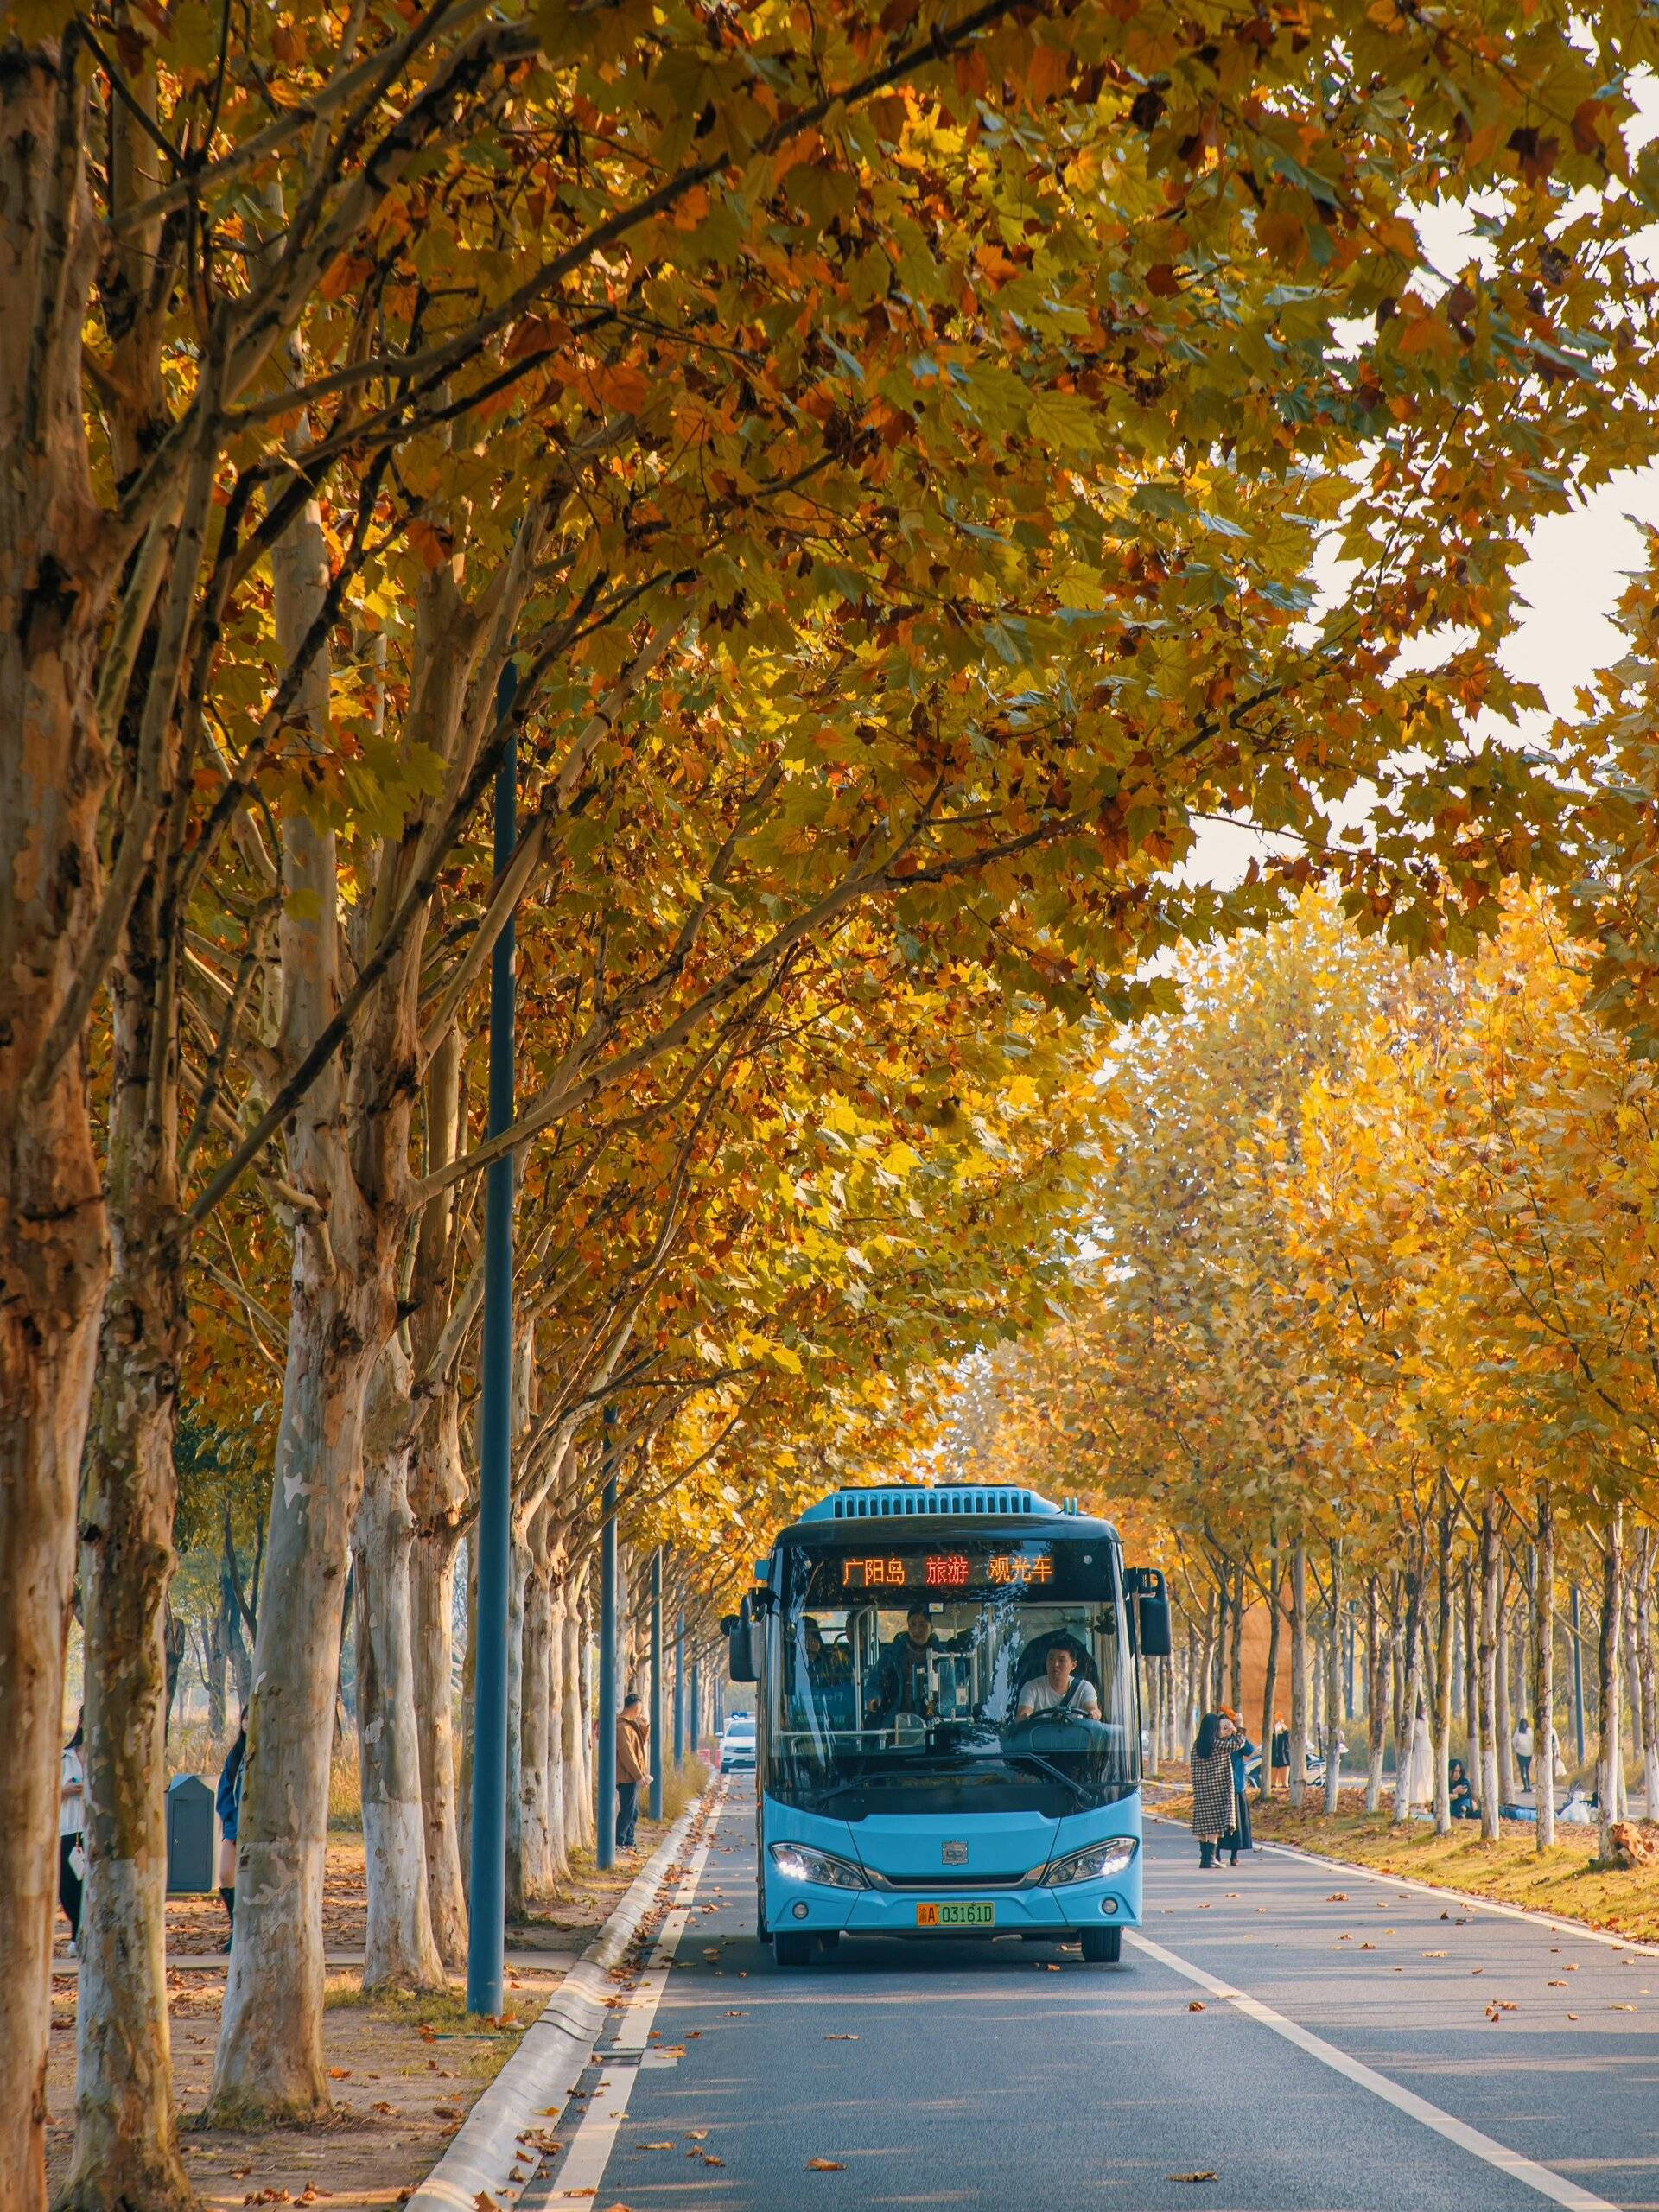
x,y
474,2171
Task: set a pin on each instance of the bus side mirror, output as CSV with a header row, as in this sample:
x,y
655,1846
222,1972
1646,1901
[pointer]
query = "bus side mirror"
x,y
1149,1619
740,1645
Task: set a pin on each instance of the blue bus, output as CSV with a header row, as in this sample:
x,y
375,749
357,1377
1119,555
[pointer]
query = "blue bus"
x,y
949,1721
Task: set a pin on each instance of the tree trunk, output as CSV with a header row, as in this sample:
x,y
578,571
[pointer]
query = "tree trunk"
x,y
518,1578
1377,1694
1297,1672
558,1845
1441,1744
1236,1667
468,1704
342,1308
54,1256
534,1755
400,1949
1471,1652
1270,1680
1333,1686
1645,1676
432,1585
1543,1672
1611,1757
1410,1661
1504,1718
1486,1657
578,1799
126,2145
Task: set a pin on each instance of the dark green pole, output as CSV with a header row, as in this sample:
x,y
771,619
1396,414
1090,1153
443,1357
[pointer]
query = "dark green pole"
x,y
696,1705
486,1895
656,1684
679,1689
605,1823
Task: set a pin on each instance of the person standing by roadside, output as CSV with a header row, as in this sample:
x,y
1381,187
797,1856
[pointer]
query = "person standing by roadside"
x,y
1522,1745
633,1766
1214,1800
71,1821
1278,1760
1239,1837
228,1801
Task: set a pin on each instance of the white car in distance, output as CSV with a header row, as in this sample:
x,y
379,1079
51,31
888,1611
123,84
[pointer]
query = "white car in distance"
x,y
737,1744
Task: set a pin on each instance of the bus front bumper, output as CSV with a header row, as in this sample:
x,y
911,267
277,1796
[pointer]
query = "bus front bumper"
x,y
1057,1912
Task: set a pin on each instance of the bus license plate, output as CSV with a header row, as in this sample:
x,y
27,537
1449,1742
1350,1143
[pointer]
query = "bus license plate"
x,y
955,1915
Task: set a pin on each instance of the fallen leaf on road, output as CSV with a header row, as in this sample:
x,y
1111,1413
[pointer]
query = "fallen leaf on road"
x,y
842,2039
696,2135
1556,1984
709,2159
653,2147
1368,1946
340,2073
1435,1955
825,2166
1203,2177
1338,1896
1621,2008
1196,2005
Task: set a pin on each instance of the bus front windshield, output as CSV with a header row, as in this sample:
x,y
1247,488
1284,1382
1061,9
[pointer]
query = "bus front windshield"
x,y
985,1674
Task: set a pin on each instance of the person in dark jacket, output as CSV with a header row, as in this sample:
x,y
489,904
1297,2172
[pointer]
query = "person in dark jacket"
x,y
633,1766
1240,1836
227,1800
1214,1806
1461,1795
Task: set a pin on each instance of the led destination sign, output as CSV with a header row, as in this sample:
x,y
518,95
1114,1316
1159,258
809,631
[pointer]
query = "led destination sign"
x,y
944,1570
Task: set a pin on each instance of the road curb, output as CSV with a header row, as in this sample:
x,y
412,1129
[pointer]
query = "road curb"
x,y
474,2171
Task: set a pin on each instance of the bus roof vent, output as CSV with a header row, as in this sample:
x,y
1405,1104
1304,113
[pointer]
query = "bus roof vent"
x,y
959,1500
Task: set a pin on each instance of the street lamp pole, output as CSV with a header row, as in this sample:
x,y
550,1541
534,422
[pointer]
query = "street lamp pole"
x,y
486,1895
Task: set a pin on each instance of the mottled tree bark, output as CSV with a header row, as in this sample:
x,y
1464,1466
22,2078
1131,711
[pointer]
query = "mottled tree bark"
x,y
1297,1672
126,2149
400,1950
1543,1671
55,1259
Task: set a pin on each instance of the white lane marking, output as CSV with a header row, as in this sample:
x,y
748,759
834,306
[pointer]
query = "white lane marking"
x,y
595,2137
1556,2187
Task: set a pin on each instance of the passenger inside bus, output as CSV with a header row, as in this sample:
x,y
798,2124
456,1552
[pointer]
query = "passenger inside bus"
x,y
904,1682
1063,1685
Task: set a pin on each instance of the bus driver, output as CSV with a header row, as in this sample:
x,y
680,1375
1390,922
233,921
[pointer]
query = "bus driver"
x,y
1058,1685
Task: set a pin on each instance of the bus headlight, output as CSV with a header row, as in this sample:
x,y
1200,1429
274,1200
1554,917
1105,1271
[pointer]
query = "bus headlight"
x,y
796,1863
1098,1864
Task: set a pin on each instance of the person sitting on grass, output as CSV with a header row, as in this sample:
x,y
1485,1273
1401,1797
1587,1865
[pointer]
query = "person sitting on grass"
x,y
1463,1807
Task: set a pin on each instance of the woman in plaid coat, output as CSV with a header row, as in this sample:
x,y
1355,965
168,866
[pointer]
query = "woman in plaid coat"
x,y
1215,1801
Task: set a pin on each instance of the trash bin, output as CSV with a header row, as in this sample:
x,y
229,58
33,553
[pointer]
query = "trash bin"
x,y
192,1836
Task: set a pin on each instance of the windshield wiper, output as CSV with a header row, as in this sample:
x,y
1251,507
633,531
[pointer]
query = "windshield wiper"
x,y
1058,1772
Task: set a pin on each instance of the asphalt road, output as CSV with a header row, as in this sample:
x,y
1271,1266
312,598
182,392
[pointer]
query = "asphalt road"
x,y
1379,2051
